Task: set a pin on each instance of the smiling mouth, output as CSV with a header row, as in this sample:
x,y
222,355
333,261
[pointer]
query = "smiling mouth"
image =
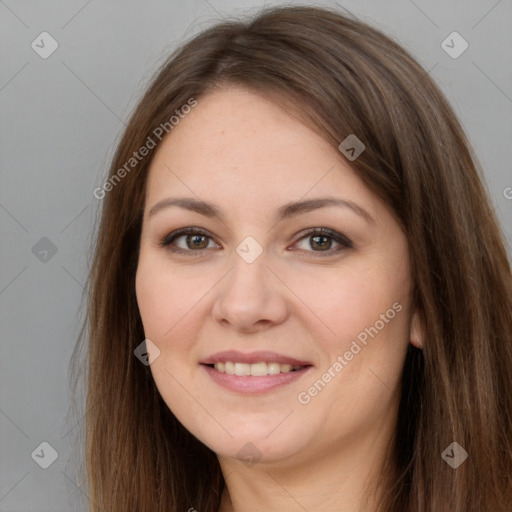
x,y
260,369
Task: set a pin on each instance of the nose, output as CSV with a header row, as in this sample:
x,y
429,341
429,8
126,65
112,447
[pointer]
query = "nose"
x,y
250,298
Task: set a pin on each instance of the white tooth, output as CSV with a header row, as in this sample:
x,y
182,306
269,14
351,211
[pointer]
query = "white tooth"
x,y
242,369
273,368
259,369
256,369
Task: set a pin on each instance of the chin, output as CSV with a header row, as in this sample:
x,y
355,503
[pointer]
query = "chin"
x,y
264,443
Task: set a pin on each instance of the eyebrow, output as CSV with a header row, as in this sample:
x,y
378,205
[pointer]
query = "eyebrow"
x,y
284,212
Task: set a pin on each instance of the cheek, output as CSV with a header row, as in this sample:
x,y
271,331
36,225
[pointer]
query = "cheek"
x,y
166,314
364,318
164,299
172,308
345,303
153,299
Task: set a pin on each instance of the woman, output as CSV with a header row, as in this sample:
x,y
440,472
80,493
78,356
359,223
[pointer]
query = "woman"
x,y
300,297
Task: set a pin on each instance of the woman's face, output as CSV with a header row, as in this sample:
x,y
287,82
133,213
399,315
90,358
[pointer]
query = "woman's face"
x,y
275,342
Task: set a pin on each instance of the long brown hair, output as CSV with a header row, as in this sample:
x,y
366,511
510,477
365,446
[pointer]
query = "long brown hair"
x,y
342,77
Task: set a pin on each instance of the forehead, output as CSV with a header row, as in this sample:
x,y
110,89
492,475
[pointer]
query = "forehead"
x,y
236,144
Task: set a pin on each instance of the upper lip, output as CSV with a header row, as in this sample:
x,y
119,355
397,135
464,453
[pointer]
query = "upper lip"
x,y
253,357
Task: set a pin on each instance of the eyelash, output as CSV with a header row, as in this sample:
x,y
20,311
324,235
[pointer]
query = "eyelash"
x,y
345,243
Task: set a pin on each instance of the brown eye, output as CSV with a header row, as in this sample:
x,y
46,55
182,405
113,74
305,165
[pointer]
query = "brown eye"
x,y
321,240
196,241
188,240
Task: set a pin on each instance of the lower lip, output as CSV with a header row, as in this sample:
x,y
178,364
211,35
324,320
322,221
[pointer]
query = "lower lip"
x,y
250,384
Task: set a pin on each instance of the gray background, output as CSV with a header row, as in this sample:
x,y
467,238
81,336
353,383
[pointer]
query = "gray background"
x,y
61,118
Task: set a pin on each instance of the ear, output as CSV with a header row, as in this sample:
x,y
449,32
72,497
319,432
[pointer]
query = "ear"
x,y
417,334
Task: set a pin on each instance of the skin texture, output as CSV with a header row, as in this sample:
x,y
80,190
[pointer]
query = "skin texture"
x,y
249,157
